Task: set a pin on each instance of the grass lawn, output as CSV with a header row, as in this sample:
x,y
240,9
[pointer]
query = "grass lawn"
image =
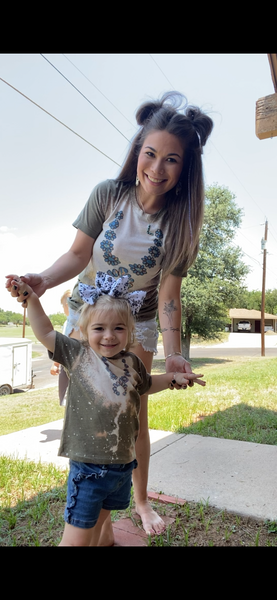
x,y
239,401
16,332
32,500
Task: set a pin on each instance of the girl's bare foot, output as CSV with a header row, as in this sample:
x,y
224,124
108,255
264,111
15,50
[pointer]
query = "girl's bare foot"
x,y
151,521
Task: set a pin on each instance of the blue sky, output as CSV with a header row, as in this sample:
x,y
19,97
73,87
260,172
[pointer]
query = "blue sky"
x,y
47,172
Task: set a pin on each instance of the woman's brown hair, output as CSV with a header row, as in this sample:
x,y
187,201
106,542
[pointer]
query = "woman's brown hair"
x,y
184,208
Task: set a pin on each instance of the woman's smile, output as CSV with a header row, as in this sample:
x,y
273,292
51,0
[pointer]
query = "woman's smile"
x,y
160,164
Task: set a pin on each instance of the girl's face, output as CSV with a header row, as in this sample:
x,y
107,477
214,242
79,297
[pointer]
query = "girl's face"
x,y
106,333
160,163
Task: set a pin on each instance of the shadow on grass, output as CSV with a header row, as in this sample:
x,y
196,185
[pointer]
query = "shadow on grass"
x,y
239,422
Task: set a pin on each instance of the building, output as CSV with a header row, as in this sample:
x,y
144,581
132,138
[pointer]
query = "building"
x,y
254,317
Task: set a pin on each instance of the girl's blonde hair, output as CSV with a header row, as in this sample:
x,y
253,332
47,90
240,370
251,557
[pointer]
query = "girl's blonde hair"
x,y
64,297
106,304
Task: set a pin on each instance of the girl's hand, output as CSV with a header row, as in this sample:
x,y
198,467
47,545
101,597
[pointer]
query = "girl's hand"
x,y
55,369
34,280
182,381
20,290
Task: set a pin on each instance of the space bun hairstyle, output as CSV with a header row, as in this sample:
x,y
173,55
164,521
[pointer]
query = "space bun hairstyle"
x,y
184,207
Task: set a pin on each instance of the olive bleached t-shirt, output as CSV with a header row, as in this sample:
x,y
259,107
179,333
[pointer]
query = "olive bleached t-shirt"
x,y
128,242
101,421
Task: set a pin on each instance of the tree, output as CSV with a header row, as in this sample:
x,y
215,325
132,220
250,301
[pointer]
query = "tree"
x,y
253,300
58,319
10,317
214,282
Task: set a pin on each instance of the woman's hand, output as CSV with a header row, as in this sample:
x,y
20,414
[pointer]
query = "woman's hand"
x,y
34,280
178,364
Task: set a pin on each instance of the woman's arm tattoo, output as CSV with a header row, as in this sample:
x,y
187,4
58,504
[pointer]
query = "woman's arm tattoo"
x,y
169,310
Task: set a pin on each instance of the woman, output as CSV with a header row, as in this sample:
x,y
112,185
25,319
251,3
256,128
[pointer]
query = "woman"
x,y
145,224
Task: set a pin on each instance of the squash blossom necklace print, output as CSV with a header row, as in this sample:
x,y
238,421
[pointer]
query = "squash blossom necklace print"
x,y
146,261
119,381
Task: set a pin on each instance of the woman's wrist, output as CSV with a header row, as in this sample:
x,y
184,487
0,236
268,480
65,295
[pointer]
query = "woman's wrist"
x,y
173,354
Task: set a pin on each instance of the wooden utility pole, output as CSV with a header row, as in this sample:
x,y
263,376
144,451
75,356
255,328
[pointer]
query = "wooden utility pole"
x,y
24,321
264,240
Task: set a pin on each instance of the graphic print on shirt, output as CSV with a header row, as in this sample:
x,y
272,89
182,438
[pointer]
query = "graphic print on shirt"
x,y
148,261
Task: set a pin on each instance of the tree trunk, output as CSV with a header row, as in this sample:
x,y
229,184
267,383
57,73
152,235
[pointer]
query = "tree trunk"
x,y
185,341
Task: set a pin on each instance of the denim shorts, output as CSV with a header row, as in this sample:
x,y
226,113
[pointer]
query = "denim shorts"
x,y
147,335
92,487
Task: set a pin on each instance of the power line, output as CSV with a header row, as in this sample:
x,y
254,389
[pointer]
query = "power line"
x,y
161,71
95,86
237,177
61,123
79,92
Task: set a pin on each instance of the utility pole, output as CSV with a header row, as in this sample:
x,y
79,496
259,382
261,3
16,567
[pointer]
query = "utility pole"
x,y
24,322
263,242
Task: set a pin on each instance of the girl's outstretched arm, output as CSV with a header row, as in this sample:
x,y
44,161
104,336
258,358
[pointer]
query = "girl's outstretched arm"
x,y
174,380
40,323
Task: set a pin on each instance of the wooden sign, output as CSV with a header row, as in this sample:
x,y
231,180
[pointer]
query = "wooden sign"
x,y
266,117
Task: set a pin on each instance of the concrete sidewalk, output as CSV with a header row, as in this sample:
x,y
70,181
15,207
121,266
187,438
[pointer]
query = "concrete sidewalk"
x,y
237,476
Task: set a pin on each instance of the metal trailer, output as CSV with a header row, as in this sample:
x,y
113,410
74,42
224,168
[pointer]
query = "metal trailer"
x,y
15,364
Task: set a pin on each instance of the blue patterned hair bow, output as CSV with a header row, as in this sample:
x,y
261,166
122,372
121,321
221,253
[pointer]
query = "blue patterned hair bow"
x,y
108,285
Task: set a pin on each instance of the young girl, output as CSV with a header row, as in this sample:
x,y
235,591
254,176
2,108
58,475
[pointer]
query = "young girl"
x,y
101,421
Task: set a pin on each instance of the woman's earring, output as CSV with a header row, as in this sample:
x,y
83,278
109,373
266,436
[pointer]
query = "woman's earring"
x,y
137,181
178,188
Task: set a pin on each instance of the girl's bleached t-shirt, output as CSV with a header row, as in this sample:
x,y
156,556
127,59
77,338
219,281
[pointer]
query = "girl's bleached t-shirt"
x,y
128,242
101,421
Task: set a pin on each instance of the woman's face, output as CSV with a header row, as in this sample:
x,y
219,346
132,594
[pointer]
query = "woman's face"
x,y
160,163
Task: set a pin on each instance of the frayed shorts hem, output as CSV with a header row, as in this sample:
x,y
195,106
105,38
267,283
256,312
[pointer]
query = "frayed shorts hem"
x,y
90,524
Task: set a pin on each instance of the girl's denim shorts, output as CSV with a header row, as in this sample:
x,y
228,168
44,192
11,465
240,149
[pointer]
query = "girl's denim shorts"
x,y
92,487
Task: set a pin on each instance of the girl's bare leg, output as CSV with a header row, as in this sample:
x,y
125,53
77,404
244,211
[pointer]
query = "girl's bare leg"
x,y
76,536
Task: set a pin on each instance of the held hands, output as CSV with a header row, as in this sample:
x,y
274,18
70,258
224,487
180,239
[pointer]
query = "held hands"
x,y
36,282
181,380
178,363
19,289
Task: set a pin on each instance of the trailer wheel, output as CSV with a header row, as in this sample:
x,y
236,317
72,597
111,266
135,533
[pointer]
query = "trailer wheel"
x,y
5,390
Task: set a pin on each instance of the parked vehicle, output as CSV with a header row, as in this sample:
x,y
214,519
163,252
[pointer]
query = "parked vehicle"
x,y
244,326
15,364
